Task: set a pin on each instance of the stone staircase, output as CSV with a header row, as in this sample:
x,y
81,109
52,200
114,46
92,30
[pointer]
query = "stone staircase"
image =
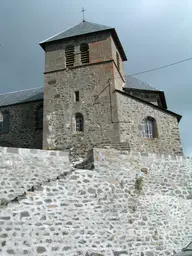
x,y
81,156
122,146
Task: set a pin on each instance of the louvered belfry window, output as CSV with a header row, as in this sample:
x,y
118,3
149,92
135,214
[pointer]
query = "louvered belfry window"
x,y
84,48
70,57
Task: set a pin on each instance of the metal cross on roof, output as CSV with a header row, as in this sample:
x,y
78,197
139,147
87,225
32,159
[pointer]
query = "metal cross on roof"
x,y
83,12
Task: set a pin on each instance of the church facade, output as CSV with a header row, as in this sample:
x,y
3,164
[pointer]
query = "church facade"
x,y
87,101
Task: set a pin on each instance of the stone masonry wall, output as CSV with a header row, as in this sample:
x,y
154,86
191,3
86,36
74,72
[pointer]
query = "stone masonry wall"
x,y
99,50
22,132
94,104
131,113
100,213
26,169
156,221
114,56
150,97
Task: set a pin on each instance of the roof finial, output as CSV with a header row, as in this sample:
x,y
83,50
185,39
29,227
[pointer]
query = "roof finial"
x,y
83,12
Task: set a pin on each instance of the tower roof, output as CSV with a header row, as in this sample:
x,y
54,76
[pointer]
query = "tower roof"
x,y
84,28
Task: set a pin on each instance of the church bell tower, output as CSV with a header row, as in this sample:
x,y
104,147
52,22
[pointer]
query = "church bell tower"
x,y
83,66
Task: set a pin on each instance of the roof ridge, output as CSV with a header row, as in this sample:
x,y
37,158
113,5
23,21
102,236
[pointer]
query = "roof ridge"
x,y
21,90
96,24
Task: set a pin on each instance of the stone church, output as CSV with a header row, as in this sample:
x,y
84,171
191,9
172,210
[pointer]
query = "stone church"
x,y
88,101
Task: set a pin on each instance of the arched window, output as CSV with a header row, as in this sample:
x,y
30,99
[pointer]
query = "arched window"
x,y
79,122
149,128
84,48
117,59
4,121
70,57
39,117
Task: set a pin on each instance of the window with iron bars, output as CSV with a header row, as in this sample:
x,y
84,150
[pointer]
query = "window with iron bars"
x,y
79,122
149,128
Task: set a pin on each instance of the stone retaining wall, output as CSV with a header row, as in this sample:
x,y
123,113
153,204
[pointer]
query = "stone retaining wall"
x,y
100,213
25,169
158,219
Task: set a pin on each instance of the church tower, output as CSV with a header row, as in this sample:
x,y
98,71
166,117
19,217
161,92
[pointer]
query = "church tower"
x,y
83,67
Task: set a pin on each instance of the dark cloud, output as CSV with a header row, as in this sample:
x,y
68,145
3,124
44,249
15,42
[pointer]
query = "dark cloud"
x,y
153,33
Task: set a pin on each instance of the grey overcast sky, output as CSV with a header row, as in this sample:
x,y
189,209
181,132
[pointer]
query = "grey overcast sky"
x,y
153,33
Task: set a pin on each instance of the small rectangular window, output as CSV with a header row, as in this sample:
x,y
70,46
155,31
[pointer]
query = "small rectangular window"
x,y
76,96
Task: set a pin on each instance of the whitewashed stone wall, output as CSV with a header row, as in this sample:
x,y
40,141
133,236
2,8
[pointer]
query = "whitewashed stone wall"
x,y
25,169
99,212
157,220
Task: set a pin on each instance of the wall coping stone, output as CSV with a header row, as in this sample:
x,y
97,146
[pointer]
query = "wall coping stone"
x,y
23,169
33,151
146,154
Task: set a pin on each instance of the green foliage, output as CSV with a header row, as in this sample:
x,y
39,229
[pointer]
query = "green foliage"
x,y
77,134
50,148
3,202
53,148
139,183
